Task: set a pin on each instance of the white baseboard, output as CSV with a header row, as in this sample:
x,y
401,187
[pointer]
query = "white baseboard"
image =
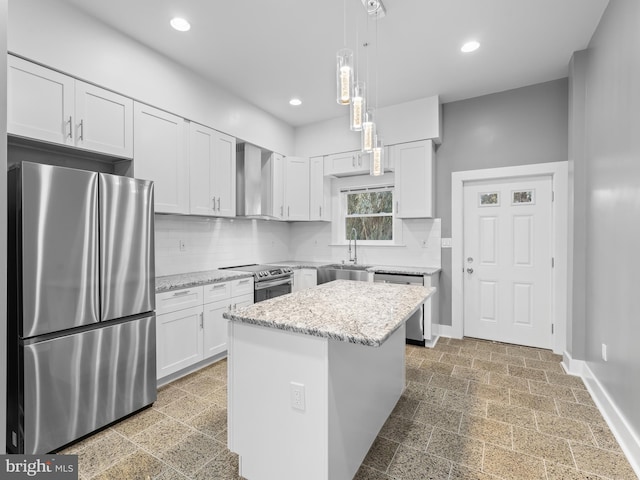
x,y
627,438
438,330
572,366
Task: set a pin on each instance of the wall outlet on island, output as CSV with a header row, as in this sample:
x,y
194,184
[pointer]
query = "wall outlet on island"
x,y
297,396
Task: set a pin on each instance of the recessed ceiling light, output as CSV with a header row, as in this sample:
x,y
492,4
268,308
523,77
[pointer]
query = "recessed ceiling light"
x,y
470,47
180,24
295,102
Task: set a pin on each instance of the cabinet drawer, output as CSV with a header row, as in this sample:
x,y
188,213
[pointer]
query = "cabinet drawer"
x,y
242,286
178,300
217,291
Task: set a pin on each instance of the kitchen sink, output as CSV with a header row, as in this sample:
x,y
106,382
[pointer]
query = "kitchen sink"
x,y
343,272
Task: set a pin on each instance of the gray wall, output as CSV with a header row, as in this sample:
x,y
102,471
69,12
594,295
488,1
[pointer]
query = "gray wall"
x,y
3,221
517,127
612,167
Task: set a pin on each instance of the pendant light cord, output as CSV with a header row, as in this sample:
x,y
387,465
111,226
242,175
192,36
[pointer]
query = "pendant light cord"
x,y
344,21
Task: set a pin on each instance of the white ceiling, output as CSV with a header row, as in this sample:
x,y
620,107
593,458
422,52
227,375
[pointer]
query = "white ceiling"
x,y
269,51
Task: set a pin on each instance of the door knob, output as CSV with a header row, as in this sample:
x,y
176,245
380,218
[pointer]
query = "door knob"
x,y
469,270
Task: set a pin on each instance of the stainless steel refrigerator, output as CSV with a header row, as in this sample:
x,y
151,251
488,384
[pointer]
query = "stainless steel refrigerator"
x,y
81,285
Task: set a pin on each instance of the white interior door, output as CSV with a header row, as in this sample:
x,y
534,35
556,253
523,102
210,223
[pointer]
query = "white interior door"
x,y
508,260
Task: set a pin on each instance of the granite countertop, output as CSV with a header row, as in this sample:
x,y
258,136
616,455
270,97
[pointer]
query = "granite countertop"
x,y
357,312
373,268
195,279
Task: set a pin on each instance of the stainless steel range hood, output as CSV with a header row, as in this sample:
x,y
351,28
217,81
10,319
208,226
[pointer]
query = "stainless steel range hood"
x,y
253,182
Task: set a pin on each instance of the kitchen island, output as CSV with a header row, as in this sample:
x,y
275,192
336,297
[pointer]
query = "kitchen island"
x,y
314,375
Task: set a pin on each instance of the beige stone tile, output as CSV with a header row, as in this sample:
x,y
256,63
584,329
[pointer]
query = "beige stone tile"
x,y
486,430
473,352
413,362
549,356
137,423
565,379
457,448
523,417
427,393
460,342
535,402
542,365
438,416
604,437
470,404
583,397
550,390
405,407
167,395
529,373
556,471
601,462
467,373
489,392
512,465
524,352
161,435
77,447
410,464
507,359
407,432
456,360
543,446
507,381
381,453
182,381
185,408
418,375
564,427
219,398
204,386
437,367
449,383
212,422
101,454
460,472
492,347
428,354
447,348
193,452
490,366
577,411
138,465
368,473
223,467
409,350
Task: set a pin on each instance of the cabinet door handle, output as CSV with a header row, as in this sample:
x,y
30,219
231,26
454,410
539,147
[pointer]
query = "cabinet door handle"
x,y
81,130
70,122
288,212
244,281
397,208
218,203
183,292
281,211
320,211
235,306
229,307
353,161
202,321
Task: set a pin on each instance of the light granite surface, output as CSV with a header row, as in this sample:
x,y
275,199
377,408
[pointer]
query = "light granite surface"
x,y
194,279
357,312
369,268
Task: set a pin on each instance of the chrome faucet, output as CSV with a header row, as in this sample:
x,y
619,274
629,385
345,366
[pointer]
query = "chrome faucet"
x,y
353,235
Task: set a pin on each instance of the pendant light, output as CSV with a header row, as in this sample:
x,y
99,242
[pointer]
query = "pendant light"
x,y
377,158
358,107
344,67
368,132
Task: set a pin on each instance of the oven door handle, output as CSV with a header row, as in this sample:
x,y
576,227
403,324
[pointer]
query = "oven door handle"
x,y
273,283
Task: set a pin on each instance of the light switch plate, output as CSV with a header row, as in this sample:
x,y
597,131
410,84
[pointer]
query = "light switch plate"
x,y
446,243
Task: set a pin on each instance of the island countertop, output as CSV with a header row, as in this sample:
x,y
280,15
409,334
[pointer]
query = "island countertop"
x,y
357,312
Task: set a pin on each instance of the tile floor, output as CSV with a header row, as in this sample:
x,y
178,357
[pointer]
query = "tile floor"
x,y
471,410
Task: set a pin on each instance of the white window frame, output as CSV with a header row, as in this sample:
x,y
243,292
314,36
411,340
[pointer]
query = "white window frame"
x,y
343,215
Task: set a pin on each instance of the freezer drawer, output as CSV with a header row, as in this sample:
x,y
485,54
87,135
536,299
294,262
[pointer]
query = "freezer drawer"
x,y
79,383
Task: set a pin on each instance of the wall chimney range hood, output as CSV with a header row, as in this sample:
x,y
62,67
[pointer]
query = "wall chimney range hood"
x,y
253,182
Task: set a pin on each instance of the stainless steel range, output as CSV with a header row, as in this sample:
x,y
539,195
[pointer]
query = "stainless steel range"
x,y
269,281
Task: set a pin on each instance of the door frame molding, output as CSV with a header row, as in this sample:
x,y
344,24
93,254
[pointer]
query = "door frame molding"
x,y
559,184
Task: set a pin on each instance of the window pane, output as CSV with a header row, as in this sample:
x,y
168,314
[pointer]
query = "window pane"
x,y
370,228
367,203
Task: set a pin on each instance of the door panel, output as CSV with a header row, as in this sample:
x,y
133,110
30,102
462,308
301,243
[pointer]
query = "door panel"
x,y
507,260
59,248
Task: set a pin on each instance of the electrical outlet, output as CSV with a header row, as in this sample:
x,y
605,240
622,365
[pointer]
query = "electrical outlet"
x,y
424,244
297,396
446,243
182,245
604,352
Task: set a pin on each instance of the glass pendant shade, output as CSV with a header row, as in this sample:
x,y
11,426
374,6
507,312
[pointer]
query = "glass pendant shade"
x,y
344,75
377,159
368,133
358,106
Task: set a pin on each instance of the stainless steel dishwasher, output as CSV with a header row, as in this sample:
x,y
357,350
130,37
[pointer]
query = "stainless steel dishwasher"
x,y
415,323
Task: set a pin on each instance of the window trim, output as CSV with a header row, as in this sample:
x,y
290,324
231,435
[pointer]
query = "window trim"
x,y
396,226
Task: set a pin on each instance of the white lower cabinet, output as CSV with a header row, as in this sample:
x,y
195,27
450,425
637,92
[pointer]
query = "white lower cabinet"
x,y
189,323
304,278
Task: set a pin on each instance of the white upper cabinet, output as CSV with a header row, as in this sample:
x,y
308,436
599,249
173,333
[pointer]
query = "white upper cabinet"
x,y
212,172
319,190
46,105
414,174
346,164
160,154
296,188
